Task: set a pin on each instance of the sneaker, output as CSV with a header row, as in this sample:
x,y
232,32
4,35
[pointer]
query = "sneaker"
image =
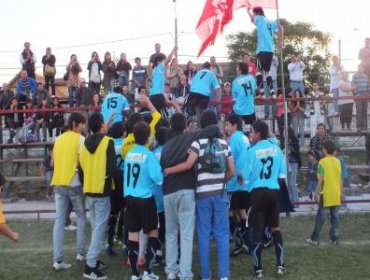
x,y
258,273
134,277
93,273
280,271
224,278
61,265
334,242
171,276
110,251
80,258
311,241
70,227
150,276
100,265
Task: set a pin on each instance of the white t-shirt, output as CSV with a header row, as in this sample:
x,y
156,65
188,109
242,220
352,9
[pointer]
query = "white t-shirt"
x,y
94,74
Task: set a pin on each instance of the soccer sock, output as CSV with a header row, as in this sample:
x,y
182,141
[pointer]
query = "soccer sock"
x,y
256,251
279,248
270,85
133,253
150,254
259,79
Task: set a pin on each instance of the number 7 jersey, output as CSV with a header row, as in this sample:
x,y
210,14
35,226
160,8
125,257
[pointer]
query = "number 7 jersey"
x,y
265,165
142,172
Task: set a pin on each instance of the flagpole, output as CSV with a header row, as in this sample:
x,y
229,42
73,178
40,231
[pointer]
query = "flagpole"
x,y
176,32
283,88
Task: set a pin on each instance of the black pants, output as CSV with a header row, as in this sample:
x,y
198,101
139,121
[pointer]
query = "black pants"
x,y
361,114
346,115
95,87
50,82
197,103
117,207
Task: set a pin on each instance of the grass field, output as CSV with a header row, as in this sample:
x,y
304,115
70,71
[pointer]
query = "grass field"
x,y
31,258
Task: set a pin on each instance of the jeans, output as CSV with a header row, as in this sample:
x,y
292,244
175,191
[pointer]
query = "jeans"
x,y
43,125
297,85
212,216
271,104
99,215
62,196
292,181
298,127
335,92
320,219
179,209
71,95
25,129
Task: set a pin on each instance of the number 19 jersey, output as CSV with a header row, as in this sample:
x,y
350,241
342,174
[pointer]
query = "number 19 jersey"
x,y
114,103
142,172
265,165
243,92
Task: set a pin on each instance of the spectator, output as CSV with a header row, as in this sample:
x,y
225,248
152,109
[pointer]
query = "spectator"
x,y
49,70
316,142
364,56
361,83
316,110
26,86
109,69
139,75
294,161
226,100
182,91
345,105
73,69
6,96
56,118
215,96
28,123
335,71
216,69
123,70
270,107
115,104
297,113
173,75
296,67
190,72
42,120
94,67
311,176
28,60
96,100
84,95
39,95
157,48
14,120
251,65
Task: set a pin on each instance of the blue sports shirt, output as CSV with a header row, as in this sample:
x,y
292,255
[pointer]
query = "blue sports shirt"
x,y
239,144
114,102
265,33
142,172
118,148
204,82
243,93
158,79
158,191
264,166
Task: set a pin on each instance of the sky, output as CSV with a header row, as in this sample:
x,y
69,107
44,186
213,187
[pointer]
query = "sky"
x,y
133,27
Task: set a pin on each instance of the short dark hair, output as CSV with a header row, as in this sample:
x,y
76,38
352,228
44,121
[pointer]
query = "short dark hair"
x,y
117,130
161,135
262,128
258,11
243,67
158,58
329,146
321,125
118,89
76,118
178,122
141,133
208,118
132,120
162,123
141,87
96,121
207,65
235,120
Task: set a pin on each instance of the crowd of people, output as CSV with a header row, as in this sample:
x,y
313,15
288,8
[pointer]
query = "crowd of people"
x,y
156,165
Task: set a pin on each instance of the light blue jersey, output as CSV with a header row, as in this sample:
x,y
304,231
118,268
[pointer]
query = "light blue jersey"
x,y
118,148
158,191
264,166
239,145
114,103
142,172
243,93
265,33
204,82
158,79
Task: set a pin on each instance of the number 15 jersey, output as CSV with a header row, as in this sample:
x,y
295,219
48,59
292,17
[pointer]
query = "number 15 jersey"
x,y
114,102
243,91
265,165
142,172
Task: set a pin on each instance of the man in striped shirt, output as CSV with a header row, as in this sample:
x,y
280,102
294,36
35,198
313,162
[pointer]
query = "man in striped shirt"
x,y
361,82
212,205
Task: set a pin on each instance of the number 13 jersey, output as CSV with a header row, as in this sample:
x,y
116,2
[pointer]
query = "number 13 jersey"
x,y
265,165
142,172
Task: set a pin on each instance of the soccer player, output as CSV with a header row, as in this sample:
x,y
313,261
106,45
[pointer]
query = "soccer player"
x,y
265,47
142,172
243,92
115,102
236,188
264,166
203,85
98,168
67,187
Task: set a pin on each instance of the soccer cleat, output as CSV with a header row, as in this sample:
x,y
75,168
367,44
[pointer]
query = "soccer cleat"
x,y
311,241
93,273
134,277
61,265
150,276
171,276
70,227
80,258
258,273
224,278
334,242
100,265
280,271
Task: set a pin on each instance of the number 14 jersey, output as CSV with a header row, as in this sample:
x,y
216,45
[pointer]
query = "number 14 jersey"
x,y
243,92
142,172
265,165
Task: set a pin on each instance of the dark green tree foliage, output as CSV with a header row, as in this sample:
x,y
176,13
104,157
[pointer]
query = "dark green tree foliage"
x,y
301,37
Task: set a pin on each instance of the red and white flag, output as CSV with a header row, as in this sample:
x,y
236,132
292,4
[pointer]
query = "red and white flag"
x,y
217,13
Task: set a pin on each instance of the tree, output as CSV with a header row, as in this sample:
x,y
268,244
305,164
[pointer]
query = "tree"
x,y
302,37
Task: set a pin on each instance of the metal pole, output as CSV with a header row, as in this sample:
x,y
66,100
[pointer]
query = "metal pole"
x,y
340,49
176,32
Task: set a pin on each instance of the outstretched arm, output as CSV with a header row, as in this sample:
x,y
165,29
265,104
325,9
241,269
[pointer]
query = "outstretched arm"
x,y
184,166
169,57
